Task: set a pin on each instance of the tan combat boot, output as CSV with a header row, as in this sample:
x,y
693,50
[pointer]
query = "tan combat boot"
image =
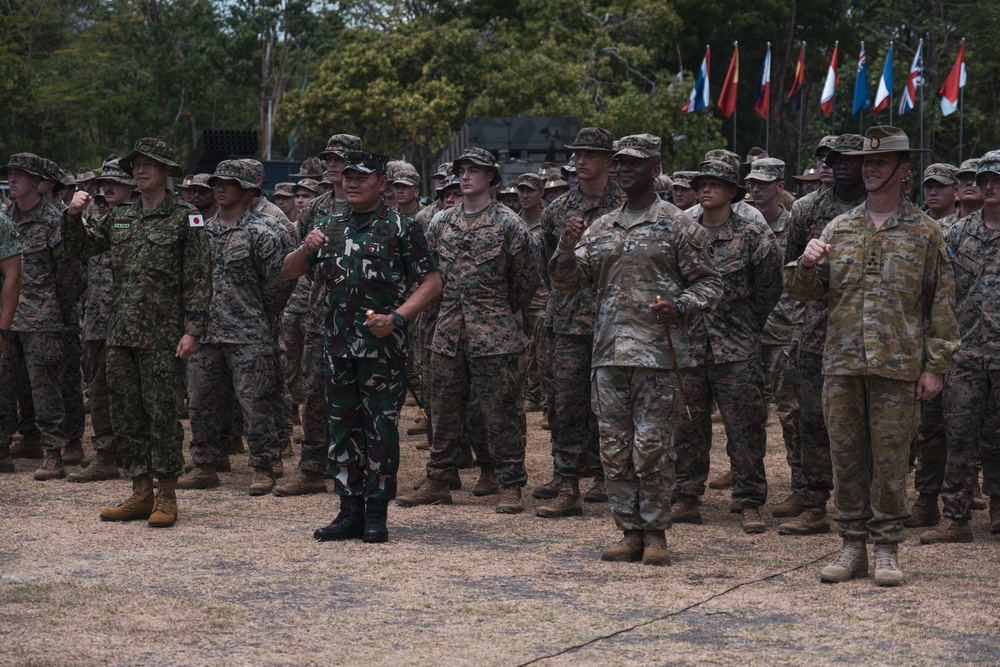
x,y
597,493
978,500
995,514
199,477
432,492
165,506
813,521
52,466
925,512
789,507
263,481
628,549
887,572
851,562
725,481
948,530
487,484
751,521
72,453
103,467
549,490
654,551
685,510
28,447
139,506
302,484
510,500
566,503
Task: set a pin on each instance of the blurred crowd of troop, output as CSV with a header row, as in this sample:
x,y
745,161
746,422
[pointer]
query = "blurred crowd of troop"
x,y
623,303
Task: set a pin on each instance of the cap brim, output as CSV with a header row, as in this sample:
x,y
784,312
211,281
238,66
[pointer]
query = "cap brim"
x,y
589,147
635,152
173,169
805,179
940,179
358,168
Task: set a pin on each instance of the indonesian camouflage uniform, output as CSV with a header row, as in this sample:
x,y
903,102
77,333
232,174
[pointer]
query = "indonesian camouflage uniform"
x,y
812,472
569,320
972,386
891,293
163,286
369,263
634,391
238,354
489,269
725,348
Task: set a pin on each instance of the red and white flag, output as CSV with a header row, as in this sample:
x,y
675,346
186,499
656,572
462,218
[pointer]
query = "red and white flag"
x,y
830,87
953,84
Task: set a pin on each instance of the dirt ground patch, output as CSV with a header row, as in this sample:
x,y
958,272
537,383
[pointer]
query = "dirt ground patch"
x,y
239,580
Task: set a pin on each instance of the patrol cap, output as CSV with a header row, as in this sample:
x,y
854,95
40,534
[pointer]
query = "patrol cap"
x,y
720,171
407,177
847,144
645,146
755,154
592,139
825,144
154,149
365,162
989,163
767,170
808,175
723,155
941,172
284,190
967,168
111,170
201,181
683,178
479,156
885,139
311,168
663,183
530,181
235,170
310,184
339,144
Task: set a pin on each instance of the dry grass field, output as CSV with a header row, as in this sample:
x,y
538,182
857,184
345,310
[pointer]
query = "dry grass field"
x,y
240,581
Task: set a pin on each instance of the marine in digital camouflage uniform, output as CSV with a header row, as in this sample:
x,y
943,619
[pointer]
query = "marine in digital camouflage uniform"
x,y
162,270
10,288
644,250
887,275
368,258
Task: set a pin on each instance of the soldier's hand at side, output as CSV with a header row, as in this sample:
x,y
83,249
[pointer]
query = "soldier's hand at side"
x,y
815,251
187,346
79,202
381,325
573,231
928,386
314,241
665,312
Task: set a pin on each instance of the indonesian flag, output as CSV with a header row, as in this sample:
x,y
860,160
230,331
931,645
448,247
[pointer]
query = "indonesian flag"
x,y
830,87
913,81
727,98
762,99
884,93
699,94
955,82
799,84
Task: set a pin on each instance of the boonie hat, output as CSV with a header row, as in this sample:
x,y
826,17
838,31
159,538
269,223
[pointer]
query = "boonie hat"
x,y
235,170
154,149
592,139
340,144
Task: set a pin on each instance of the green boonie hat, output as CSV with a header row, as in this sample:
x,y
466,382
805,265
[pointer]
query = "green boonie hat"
x,y
235,170
365,162
683,178
593,139
720,170
451,181
407,177
154,149
767,169
988,163
723,155
643,146
201,181
530,181
111,170
85,176
479,156
311,168
755,153
968,168
339,144
885,139
825,144
284,190
941,172
808,175
52,171
255,165
27,162
310,184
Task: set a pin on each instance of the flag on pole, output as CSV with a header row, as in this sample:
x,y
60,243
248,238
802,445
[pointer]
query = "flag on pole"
x,y
699,94
914,80
762,99
798,85
954,83
830,87
862,96
884,93
727,98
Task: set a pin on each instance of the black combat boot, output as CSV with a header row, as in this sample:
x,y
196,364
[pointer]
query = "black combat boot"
x,y
375,516
350,523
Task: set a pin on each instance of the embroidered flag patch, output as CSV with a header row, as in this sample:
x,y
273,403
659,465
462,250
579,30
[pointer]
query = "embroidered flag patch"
x,y
196,221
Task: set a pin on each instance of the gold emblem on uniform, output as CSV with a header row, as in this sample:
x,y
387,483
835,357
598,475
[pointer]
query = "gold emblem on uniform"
x,y
874,142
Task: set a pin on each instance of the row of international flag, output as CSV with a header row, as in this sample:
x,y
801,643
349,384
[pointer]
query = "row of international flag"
x,y
950,91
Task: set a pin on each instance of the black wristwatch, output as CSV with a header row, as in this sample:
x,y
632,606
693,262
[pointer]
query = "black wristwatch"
x,y
397,319
681,308
7,334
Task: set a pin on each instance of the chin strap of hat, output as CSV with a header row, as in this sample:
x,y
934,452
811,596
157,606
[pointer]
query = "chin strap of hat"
x,y
888,178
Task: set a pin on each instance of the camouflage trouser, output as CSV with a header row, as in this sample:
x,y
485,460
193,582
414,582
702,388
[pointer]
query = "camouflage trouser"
x,y
786,406
635,409
293,329
26,425
871,421
804,373
534,373
931,446
215,374
737,390
71,385
475,423
574,425
972,410
41,356
103,439
364,398
144,389
315,418
498,380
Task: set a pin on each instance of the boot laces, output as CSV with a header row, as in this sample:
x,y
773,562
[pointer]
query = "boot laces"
x,y
846,556
885,559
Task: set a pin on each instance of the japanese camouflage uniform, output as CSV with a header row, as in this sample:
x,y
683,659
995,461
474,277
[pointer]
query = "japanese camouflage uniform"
x,y
162,271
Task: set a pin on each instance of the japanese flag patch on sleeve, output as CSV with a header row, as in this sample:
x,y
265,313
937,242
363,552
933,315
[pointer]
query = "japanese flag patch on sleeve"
x,y
196,221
